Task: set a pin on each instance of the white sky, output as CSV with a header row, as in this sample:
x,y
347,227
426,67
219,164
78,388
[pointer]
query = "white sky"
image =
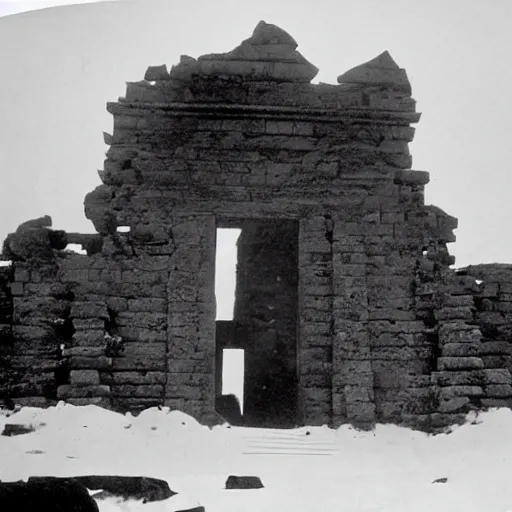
x,y
61,65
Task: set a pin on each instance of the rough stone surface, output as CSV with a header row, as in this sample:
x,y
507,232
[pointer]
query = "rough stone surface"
x,y
55,494
127,487
382,70
346,306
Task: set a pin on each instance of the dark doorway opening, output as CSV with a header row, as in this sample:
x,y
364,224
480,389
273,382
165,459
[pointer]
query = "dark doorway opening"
x,y
264,323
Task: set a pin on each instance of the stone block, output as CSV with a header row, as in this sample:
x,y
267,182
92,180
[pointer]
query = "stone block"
x,y
141,335
84,351
453,313
352,372
31,333
498,390
17,289
21,275
67,391
138,377
360,413
145,320
99,401
453,405
459,363
187,392
496,361
90,363
316,395
315,328
190,365
315,381
496,376
496,348
356,393
496,402
458,378
137,363
84,324
82,309
84,377
90,338
148,305
451,392
145,350
35,401
461,349
138,391
458,332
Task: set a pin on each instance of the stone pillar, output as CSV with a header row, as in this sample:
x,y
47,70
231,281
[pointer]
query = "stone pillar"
x,y
353,396
191,318
315,325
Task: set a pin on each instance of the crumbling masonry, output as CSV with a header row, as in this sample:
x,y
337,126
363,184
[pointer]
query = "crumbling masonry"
x,y
346,305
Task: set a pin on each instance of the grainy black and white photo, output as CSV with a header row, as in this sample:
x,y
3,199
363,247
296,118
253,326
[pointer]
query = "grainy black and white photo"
x,y
255,256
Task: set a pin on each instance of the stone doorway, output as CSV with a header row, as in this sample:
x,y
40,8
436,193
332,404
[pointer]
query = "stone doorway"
x,y
264,322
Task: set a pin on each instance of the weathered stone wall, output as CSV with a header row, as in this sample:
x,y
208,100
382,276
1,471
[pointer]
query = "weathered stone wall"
x,y
385,329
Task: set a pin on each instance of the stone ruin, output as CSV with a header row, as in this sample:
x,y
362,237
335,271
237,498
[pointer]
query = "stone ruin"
x,y
346,306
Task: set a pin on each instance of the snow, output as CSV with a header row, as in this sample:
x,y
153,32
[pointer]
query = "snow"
x,y
389,469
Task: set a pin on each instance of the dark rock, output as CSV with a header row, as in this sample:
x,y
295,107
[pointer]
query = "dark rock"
x,y
195,509
134,487
12,429
243,482
156,73
382,70
228,407
440,481
57,495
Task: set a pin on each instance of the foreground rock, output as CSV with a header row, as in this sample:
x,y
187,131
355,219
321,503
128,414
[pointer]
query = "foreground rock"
x,y
243,482
127,487
57,495
11,429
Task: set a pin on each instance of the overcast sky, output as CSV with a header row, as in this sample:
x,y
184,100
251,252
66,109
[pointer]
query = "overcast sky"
x,y
61,65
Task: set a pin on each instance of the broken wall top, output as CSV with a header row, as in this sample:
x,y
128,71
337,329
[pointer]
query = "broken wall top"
x,y
267,70
245,134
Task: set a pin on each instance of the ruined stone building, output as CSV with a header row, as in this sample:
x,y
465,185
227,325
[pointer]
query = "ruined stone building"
x,y
346,306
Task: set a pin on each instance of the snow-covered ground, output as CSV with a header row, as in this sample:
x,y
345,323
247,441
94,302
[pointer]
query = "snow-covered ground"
x,y
390,469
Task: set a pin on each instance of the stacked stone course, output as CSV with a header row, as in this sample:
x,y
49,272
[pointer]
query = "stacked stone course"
x,y
357,318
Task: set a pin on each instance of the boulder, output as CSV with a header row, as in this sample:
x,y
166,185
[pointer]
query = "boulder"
x,y
243,482
127,487
11,429
57,495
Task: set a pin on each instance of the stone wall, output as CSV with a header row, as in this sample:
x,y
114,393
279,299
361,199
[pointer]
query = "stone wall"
x,y
383,328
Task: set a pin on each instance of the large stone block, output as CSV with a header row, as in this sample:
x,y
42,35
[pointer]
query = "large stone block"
x,y
451,392
84,377
498,390
95,309
136,377
68,391
461,349
145,320
138,391
496,376
459,363
453,405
